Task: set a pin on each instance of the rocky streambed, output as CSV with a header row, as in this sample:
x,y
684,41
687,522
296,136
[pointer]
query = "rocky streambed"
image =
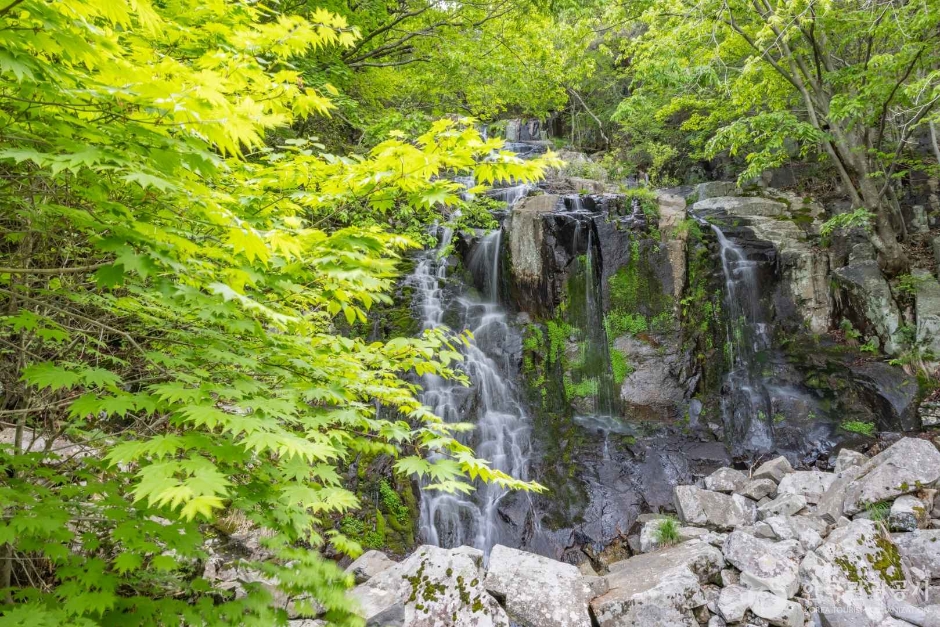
x,y
855,547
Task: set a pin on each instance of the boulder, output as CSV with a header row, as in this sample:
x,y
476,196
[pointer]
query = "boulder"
x,y
436,587
379,608
830,507
920,549
848,458
762,564
777,611
808,531
809,484
908,465
929,414
907,514
713,509
757,489
725,480
368,565
650,536
783,505
774,469
733,602
666,600
658,589
863,296
537,591
704,560
851,577
716,621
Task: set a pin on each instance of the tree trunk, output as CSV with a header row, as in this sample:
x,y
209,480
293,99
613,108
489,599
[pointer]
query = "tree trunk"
x,y
891,256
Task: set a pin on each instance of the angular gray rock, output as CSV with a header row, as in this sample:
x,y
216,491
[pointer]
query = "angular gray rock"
x,y
809,484
538,591
783,505
921,549
831,506
650,535
907,514
774,469
762,564
733,602
726,480
908,465
368,565
777,611
852,575
757,489
436,587
713,509
809,531
658,589
848,458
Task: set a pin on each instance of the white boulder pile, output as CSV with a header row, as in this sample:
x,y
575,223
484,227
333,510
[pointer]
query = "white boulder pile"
x,y
858,547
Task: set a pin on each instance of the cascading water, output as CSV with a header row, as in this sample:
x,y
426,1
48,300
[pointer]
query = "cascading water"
x,y
746,402
491,402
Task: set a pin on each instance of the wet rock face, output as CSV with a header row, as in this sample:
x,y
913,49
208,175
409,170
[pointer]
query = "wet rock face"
x,y
652,390
927,304
530,268
863,296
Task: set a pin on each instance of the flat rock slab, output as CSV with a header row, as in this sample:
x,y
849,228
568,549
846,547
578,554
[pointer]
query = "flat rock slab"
x,y
851,577
907,466
713,509
763,565
651,537
658,589
537,591
436,587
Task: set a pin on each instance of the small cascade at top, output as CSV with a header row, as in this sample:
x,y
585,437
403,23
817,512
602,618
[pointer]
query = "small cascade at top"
x,y
491,402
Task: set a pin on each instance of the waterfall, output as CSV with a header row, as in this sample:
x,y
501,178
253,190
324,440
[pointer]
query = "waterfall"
x,y
491,402
746,401
511,195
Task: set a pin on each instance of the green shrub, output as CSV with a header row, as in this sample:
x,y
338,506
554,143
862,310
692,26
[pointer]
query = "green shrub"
x,y
667,532
878,512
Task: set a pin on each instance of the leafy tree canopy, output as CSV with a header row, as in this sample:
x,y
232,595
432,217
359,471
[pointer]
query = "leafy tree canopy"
x,y
168,301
